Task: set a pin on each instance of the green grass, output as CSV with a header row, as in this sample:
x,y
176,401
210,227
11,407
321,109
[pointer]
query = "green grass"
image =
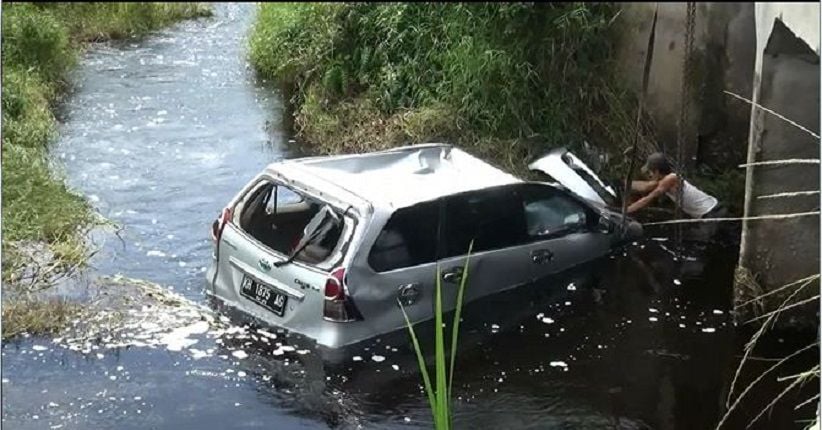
x,y
506,80
440,394
40,44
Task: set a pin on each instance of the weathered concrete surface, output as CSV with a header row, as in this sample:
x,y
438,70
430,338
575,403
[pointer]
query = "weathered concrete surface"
x,y
786,80
724,53
768,52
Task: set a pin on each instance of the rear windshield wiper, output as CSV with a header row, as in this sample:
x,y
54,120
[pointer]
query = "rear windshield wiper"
x,y
321,227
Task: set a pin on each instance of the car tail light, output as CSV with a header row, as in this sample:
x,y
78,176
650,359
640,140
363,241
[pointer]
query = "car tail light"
x,y
219,224
337,306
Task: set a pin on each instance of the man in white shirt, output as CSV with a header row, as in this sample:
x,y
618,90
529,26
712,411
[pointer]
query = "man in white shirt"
x,y
663,180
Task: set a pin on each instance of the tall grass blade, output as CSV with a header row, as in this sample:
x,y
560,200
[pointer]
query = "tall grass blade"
x,y
439,351
800,380
756,381
420,361
455,329
439,394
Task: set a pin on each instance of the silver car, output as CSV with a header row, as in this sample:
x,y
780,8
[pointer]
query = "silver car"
x,y
328,246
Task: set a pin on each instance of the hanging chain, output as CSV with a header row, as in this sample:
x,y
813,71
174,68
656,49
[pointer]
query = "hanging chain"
x,y
683,135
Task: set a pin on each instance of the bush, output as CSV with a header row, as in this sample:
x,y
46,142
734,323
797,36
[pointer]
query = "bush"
x,y
35,42
40,44
498,71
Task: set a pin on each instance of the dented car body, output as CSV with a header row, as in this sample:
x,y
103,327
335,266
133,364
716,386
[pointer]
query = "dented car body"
x,y
329,246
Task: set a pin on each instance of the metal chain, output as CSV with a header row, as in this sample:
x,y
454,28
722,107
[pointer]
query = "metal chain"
x,y
683,135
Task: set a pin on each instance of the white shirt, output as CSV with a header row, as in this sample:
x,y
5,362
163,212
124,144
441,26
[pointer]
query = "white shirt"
x,y
695,202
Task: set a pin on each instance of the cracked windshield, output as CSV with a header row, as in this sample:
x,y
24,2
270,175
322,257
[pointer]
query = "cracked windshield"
x,y
410,216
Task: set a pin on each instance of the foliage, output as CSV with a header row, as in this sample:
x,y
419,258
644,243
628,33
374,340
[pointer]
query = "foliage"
x,y
40,44
439,395
495,74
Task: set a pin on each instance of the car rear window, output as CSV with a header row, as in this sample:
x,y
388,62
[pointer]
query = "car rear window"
x,y
279,216
408,239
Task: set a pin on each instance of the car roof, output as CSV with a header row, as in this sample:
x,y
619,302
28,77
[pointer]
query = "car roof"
x,y
403,176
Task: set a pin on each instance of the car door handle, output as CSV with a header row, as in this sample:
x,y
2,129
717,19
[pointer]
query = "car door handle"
x,y
541,256
453,276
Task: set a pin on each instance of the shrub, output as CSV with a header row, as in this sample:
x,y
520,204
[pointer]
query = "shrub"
x,y
496,71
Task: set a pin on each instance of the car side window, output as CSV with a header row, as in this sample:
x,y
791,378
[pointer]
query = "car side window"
x,y
408,239
549,212
492,218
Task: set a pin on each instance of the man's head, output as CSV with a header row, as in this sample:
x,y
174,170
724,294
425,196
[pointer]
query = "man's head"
x,y
657,165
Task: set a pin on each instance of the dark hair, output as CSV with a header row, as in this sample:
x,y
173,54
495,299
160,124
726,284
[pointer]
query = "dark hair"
x,y
658,162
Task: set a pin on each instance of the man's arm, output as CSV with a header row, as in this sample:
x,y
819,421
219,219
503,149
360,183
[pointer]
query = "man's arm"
x,y
643,186
663,186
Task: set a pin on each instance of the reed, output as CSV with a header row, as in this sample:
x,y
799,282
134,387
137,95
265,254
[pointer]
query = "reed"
x,y
439,394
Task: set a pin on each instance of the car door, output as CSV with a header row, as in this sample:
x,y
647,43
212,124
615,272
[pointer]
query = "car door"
x,y
561,230
572,173
493,219
400,264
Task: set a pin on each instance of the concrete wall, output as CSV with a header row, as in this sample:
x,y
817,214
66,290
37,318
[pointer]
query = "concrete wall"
x,y
725,50
767,52
786,80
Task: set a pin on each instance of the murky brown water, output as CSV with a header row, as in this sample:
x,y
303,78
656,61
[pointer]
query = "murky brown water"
x,y
161,132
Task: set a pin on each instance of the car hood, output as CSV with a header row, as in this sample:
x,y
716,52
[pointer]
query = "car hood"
x,y
570,172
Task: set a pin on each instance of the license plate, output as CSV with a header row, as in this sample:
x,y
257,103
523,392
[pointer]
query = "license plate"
x,y
263,295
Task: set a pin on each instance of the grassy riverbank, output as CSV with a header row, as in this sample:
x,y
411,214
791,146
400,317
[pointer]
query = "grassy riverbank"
x,y
505,80
41,43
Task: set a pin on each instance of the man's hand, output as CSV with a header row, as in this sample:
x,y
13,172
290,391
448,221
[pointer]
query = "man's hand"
x,y
667,183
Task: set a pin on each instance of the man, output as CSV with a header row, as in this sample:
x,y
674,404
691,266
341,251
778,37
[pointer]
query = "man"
x,y
663,180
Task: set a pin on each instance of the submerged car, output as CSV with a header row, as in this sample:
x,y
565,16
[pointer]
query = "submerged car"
x,y
330,246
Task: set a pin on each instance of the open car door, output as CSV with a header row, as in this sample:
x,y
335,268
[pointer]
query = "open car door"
x,y
569,171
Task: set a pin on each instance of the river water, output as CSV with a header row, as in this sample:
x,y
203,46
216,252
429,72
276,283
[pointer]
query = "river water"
x,y
161,132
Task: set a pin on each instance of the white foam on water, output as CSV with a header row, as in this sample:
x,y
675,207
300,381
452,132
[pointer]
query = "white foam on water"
x,y
378,358
179,339
266,334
